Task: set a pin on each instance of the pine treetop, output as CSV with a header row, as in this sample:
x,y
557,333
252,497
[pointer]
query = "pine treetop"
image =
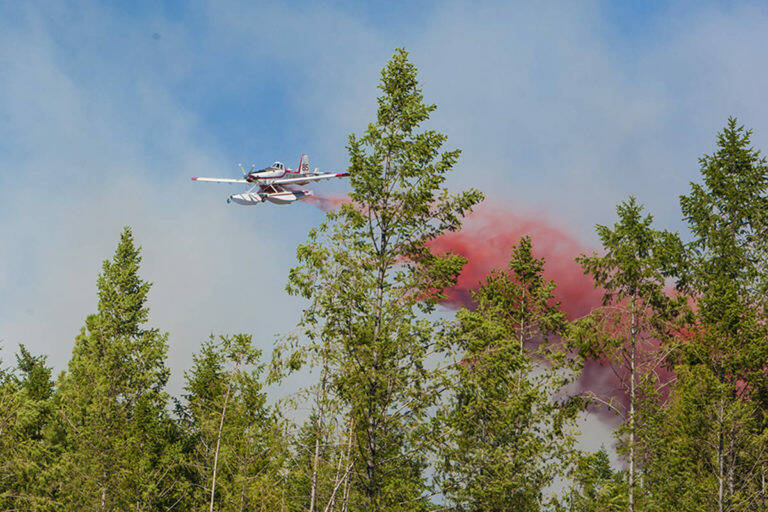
x,y
122,292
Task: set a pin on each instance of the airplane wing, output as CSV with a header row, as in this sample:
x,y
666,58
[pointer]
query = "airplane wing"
x,y
306,179
219,180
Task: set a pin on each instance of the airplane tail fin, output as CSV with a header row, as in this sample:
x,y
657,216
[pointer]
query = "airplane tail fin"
x,y
304,164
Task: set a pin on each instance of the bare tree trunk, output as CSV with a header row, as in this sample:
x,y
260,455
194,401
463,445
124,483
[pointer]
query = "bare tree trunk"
x,y
318,434
347,487
337,480
721,461
632,383
103,499
731,467
315,457
218,441
522,337
347,482
372,487
282,492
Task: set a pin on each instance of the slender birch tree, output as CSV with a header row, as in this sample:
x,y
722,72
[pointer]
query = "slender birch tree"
x,y
238,445
370,279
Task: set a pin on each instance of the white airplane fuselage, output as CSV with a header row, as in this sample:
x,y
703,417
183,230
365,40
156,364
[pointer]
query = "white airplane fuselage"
x,y
264,175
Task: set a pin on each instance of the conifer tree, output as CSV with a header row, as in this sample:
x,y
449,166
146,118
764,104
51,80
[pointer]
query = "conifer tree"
x,y
111,402
506,436
596,486
26,455
370,277
728,266
722,367
8,407
637,320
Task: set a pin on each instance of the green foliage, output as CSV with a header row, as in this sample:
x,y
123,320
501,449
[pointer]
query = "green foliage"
x,y
728,266
638,320
678,472
237,442
36,376
723,380
112,410
596,486
506,437
28,457
369,276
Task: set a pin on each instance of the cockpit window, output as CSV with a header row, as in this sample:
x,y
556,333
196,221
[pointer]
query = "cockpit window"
x,y
277,165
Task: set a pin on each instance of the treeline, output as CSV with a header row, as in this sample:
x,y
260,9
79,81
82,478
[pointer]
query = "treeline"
x,y
411,411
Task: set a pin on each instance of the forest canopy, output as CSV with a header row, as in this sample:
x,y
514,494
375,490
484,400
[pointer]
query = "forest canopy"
x,y
415,407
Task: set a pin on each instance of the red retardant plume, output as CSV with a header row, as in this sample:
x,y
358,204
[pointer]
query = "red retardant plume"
x,y
487,239
327,203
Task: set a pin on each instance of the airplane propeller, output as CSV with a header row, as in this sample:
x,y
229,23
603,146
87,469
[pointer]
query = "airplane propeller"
x,y
249,170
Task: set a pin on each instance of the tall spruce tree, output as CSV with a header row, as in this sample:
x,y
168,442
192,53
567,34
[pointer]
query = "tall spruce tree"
x,y
723,366
111,402
637,321
370,277
506,436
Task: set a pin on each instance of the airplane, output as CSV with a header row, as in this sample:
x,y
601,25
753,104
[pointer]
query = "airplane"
x,y
271,182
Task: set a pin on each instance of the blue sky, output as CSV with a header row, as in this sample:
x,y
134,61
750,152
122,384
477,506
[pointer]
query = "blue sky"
x,y
106,109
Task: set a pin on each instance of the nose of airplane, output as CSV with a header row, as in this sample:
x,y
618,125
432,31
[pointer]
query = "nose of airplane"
x,y
229,199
